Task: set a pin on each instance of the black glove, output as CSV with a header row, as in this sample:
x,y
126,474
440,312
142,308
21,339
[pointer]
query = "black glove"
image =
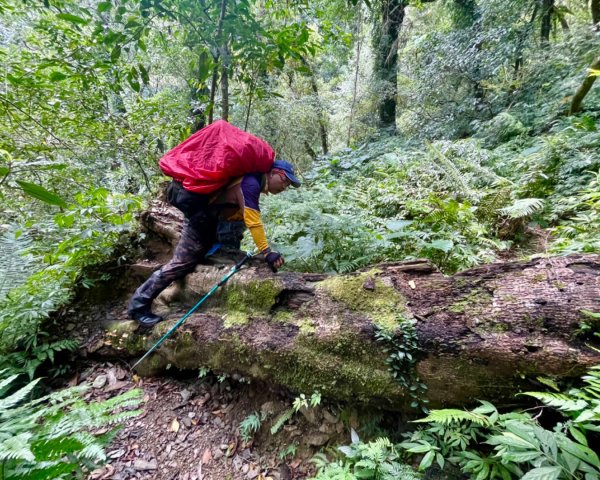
x,y
271,258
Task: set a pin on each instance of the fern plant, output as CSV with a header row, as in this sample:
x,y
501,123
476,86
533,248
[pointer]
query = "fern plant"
x,y
52,436
376,460
35,353
250,425
15,264
520,446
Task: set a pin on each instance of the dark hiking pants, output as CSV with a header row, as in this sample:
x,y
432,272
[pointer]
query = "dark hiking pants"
x,y
197,236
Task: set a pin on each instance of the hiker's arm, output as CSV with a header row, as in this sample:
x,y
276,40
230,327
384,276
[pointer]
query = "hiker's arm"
x,y
250,193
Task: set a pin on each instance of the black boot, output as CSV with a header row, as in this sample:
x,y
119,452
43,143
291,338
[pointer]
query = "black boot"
x,y
140,311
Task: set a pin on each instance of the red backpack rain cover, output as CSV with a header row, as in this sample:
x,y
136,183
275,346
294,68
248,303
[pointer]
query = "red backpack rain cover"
x,y
211,157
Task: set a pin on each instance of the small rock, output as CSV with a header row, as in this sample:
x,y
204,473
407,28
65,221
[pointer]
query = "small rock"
x,y
316,439
185,395
223,446
120,373
111,377
217,454
252,474
329,417
140,464
207,456
268,408
218,422
238,462
187,421
310,414
245,468
100,381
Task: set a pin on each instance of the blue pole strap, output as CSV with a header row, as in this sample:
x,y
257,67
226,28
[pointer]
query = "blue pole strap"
x,y
231,272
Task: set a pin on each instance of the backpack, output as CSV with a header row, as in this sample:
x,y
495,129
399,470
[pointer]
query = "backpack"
x,y
211,157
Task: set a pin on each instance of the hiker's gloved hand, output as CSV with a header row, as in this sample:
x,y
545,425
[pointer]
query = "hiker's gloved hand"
x,y
275,260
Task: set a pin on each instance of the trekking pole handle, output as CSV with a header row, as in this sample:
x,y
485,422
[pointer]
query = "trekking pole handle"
x,y
247,257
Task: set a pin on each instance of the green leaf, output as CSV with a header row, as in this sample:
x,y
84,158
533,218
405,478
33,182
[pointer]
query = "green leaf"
x,y
104,6
578,436
115,54
57,76
443,245
427,460
542,473
4,171
144,74
69,17
39,192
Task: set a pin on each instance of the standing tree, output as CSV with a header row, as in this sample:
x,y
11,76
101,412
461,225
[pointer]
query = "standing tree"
x,y
385,43
595,9
547,14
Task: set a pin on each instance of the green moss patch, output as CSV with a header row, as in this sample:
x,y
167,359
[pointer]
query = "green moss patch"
x,y
255,296
252,298
379,302
474,302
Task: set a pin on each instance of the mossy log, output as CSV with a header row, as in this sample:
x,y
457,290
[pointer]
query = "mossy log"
x,y
484,333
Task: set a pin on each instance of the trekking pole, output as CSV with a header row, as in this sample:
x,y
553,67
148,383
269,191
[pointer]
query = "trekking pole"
x,y
231,272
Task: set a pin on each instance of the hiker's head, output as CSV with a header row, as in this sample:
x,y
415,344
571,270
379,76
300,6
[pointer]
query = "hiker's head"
x,y
282,176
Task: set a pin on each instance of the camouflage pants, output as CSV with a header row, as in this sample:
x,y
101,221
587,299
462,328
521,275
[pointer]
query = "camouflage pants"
x,y
196,239
201,228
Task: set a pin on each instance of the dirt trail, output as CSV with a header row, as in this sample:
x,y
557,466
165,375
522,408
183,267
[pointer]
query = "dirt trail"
x,y
189,430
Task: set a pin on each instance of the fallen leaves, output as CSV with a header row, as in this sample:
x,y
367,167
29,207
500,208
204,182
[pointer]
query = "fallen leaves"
x,y
175,425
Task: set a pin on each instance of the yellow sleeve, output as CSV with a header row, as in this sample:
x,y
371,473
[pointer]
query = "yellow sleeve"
x,y
254,223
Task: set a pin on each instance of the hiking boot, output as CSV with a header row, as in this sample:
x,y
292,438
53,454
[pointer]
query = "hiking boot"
x,y
141,312
146,319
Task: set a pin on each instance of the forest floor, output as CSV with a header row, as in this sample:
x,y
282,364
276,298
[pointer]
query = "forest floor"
x,y
188,429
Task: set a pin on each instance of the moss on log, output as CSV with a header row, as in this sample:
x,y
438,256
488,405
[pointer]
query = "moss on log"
x,y
483,334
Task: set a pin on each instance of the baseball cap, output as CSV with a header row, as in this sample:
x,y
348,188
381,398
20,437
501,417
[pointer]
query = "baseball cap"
x,y
288,169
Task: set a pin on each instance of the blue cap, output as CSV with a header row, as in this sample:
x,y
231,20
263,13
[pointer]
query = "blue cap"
x,y
288,169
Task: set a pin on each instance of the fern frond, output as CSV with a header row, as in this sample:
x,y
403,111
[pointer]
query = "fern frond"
x,y
15,267
17,448
449,416
281,420
18,396
524,207
563,402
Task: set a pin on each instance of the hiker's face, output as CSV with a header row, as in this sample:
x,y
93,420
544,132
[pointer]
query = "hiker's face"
x,y
278,182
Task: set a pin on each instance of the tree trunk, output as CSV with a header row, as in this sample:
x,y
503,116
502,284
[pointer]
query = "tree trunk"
x,y
482,334
595,10
586,86
386,58
315,89
216,56
359,41
547,12
225,91
523,38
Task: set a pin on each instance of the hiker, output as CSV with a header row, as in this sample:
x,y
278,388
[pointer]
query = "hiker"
x,y
218,176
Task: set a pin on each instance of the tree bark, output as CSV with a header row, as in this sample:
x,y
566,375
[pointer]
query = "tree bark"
x,y
523,38
216,56
595,10
547,12
315,89
482,334
386,58
586,86
225,90
359,41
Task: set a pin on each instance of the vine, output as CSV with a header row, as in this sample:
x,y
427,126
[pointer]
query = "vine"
x,y
402,347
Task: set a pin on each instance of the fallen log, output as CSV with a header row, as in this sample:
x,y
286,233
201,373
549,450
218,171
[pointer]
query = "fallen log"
x,y
485,333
